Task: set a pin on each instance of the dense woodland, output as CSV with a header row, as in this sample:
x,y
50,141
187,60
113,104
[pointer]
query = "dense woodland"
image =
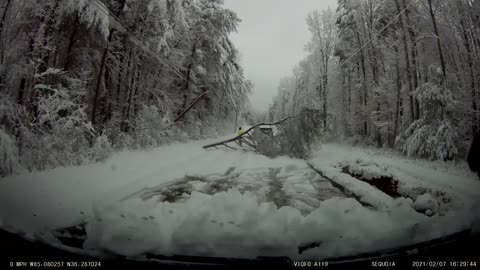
x,y
81,78
402,74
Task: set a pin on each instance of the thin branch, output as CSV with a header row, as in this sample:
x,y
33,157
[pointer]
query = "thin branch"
x,y
248,143
230,147
424,37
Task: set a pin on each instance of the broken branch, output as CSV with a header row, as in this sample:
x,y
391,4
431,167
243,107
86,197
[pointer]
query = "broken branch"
x,y
191,106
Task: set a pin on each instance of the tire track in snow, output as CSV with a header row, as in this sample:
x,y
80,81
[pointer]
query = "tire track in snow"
x,y
277,194
344,188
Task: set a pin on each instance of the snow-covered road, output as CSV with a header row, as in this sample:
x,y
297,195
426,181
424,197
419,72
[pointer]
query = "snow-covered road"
x,y
181,199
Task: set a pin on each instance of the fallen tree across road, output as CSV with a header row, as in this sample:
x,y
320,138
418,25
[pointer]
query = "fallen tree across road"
x,y
240,138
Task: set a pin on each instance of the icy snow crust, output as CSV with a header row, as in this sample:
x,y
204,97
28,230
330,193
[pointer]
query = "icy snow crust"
x,y
234,204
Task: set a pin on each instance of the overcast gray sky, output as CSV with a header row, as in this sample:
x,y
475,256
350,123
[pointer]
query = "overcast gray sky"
x,y
271,39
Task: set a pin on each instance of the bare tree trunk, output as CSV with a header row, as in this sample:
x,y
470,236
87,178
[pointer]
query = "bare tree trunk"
x,y
107,106
325,107
365,95
99,81
4,15
120,73
236,119
102,64
187,95
439,43
2,25
374,65
413,55
373,58
398,100
128,88
324,80
23,80
220,104
138,84
131,95
425,67
294,99
124,81
71,42
407,62
325,89
349,103
472,76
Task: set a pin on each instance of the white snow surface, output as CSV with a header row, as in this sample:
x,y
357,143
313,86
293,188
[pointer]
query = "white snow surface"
x,y
425,202
237,204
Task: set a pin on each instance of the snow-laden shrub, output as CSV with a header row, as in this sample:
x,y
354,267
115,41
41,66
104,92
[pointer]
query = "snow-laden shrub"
x,y
212,127
193,129
61,147
154,128
36,151
123,141
9,160
207,131
59,132
112,128
9,113
434,141
148,122
9,124
434,135
145,139
102,148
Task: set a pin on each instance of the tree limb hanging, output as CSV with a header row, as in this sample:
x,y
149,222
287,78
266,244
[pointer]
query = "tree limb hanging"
x,y
248,130
184,112
191,106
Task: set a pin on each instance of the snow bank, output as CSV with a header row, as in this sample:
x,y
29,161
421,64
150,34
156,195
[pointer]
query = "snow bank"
x,y
447,193
372,196
460,186
366,171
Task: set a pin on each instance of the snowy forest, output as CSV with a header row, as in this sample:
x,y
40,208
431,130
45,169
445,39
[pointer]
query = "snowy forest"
x,y
249,133
401,74
82,78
